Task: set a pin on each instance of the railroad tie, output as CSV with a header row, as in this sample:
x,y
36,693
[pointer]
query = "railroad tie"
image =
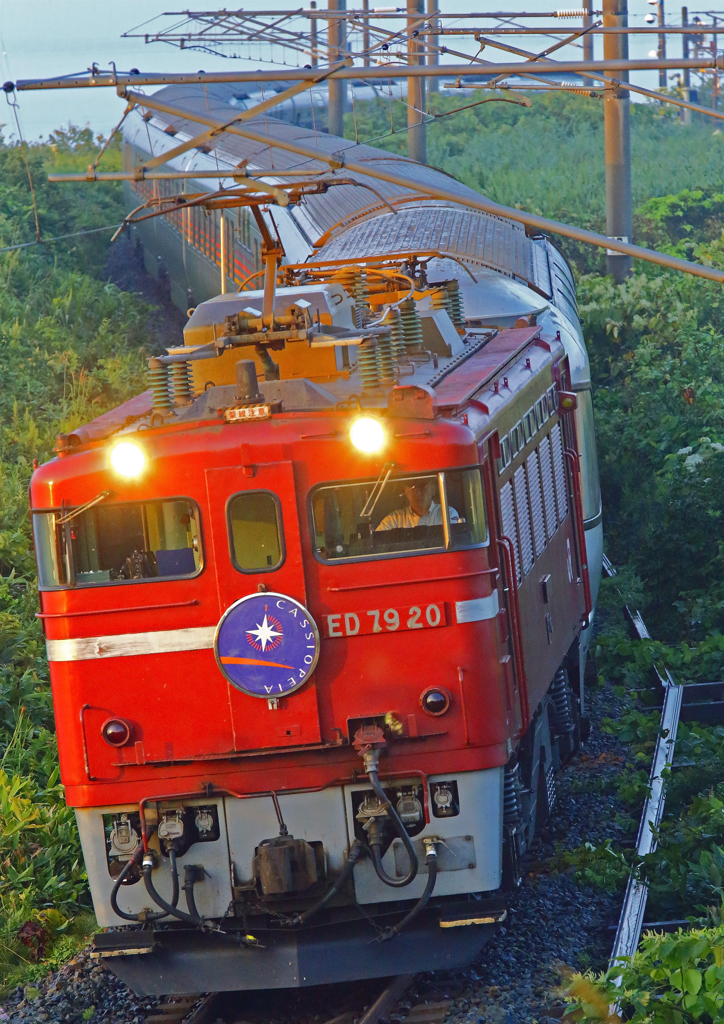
x,y
193,1009
429,1013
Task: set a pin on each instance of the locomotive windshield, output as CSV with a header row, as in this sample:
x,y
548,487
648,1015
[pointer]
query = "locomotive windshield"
x,y
116,543
434,512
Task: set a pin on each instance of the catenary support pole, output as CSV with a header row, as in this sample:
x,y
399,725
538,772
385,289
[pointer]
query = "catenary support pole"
x,y
222,250
366,37
313,49
617,135
588,38
416,131
661,51
337,51
686,74
433,55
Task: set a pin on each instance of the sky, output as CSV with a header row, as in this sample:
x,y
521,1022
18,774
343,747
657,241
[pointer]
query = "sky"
x,y
44,38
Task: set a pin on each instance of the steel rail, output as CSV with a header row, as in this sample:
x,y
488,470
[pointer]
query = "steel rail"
x,y
385,72
387,999
342,159
631,919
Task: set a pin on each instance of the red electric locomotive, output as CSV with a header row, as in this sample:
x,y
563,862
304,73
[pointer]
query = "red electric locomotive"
x,y
310,604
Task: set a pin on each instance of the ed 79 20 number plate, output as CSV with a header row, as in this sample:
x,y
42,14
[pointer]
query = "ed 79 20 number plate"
x,y
384,620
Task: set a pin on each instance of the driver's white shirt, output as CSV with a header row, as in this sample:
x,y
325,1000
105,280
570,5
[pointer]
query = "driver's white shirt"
x,y
405,518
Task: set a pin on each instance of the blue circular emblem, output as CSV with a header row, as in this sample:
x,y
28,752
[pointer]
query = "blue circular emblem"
x,y
267,645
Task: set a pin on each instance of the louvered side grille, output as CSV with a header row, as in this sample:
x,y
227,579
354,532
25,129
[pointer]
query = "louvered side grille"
x,y
536,503
507,508
559,471
522,510
549,491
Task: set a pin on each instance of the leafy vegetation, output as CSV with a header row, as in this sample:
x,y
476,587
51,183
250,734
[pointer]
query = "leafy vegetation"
x,y
672,979
70,347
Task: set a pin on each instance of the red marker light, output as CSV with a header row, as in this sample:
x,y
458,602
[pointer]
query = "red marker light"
x,y
116,732
435,701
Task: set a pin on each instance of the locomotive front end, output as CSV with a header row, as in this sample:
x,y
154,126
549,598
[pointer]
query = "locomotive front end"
x,y
303,605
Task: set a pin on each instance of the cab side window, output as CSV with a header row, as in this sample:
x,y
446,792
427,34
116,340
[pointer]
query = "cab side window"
x,y
255,531
117,543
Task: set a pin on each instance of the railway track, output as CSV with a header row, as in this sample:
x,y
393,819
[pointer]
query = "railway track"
x,y
211,1008
695,702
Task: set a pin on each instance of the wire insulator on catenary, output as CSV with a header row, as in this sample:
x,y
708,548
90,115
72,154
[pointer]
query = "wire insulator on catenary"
x,y
457,308
411,325
440,299
354,281
367,361
384,356
181,383
394,319
158,383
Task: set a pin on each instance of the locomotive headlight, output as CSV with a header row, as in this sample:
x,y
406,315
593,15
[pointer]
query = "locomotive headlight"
x,y
368,435
128,459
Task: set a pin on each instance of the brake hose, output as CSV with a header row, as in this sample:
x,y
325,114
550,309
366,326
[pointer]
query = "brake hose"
x,y
357,850
431,862
194,917
191,873
396,883
158,899
116,888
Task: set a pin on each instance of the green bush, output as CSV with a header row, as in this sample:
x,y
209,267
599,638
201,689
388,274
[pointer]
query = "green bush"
x,y
71,346
672,979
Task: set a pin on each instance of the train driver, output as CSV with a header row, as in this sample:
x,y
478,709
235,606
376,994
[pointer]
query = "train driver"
x,y
421,509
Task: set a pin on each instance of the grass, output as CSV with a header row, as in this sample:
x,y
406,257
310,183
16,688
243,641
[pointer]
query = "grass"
x,y
70,347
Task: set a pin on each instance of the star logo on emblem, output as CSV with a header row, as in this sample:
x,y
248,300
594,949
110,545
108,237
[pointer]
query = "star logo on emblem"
x,y
265,636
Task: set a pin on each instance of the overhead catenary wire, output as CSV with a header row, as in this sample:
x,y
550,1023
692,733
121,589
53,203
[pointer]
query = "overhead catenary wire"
x,y
24,149
59,238
383,71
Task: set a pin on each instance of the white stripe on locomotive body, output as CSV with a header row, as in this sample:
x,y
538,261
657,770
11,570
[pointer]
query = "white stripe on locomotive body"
x,y
325,817
200,638
478,609
124,645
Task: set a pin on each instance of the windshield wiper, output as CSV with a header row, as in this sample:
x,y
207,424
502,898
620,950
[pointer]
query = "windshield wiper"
x,y
376,492
83,508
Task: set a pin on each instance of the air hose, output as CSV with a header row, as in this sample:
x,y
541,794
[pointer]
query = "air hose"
x,y
357,851
431,862
376,838
159,900
119,882
191,876
192,873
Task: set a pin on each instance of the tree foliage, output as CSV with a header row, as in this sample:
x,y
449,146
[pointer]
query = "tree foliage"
x,y
71,346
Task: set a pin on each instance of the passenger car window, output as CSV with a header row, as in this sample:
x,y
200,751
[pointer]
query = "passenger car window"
x,y
117,543
408,516
255,531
